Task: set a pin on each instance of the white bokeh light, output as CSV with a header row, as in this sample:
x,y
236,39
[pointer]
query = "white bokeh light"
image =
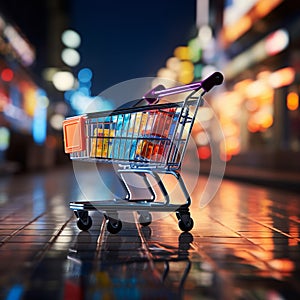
x,y
70,57
71,38
63,80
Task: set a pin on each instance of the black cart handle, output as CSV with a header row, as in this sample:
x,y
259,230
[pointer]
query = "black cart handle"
x,y
207,84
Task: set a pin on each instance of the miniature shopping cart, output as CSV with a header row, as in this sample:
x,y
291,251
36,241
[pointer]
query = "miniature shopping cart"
x,y
148,141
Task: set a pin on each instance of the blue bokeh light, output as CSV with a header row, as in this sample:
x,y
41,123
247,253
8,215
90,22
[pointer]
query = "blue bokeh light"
x,y
85,75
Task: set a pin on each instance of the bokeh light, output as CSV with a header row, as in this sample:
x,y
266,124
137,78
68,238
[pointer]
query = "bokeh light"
x,y
85,75
292,101
70,57
63,80
7,74
71,38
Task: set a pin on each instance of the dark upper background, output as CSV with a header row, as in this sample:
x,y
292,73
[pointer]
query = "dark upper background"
x,y
121,40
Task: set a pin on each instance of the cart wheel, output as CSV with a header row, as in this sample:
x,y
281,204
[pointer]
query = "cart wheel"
x,y
145,219
85,225
113,226
186,223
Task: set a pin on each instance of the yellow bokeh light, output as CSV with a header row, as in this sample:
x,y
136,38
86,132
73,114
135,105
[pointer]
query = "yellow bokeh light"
x,y
30,100
186,73
233,146
267,121
182,53
186,77
187,66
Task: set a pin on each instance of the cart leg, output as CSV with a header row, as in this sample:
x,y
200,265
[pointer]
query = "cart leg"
x,y
145,179
183,188
161,186
84,221
148,185
164,190
124,185
185,222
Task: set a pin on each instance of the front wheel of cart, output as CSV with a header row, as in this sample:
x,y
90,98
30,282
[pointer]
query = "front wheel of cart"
x,y
145,218
85,225
113,226
186,224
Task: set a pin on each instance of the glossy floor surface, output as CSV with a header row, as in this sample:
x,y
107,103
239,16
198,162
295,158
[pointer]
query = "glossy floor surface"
x,y
244,245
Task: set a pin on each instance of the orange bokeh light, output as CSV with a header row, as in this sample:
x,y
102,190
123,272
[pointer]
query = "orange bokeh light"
x,y
292,101
252,126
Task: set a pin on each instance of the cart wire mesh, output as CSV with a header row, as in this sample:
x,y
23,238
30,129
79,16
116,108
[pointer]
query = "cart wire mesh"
x,y
144,137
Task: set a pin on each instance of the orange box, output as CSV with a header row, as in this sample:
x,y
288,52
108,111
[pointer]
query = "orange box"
x,y
74,134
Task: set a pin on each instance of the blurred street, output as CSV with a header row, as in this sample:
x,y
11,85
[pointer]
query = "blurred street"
x,y
244,245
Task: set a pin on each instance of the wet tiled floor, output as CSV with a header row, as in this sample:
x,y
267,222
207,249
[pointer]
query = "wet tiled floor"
x,y
244,245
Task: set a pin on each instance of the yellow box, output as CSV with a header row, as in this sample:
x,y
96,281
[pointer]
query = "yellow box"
x,y
102,143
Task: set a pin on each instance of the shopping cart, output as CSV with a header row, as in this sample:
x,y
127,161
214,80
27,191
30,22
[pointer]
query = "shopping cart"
x,y
148,141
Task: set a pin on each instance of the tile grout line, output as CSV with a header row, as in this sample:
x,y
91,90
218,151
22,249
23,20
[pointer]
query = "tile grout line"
x,y
244,237
14,233
272,228
238,233
12,213
50,243
281,216
38,258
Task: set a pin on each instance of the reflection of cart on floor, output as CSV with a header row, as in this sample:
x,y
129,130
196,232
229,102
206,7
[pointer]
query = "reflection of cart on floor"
x,y
148,141
117,266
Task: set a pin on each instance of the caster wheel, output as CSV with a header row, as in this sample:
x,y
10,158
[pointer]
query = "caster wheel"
x,y
186,225
85,225
113,226
145,219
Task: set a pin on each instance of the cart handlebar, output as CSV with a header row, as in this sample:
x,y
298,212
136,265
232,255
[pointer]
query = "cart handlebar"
x,y
207,84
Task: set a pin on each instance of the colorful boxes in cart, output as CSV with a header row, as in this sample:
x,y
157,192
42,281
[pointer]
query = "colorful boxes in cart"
x,y
137,136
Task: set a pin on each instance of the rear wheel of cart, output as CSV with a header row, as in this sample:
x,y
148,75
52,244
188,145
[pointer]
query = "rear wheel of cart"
x,y
186,224
85,224
113,226
145,218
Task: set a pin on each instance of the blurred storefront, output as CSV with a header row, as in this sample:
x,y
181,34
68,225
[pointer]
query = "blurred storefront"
x,y
259,111
23,104
256,45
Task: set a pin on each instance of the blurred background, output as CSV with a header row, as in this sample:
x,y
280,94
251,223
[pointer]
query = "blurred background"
x,y
58,55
